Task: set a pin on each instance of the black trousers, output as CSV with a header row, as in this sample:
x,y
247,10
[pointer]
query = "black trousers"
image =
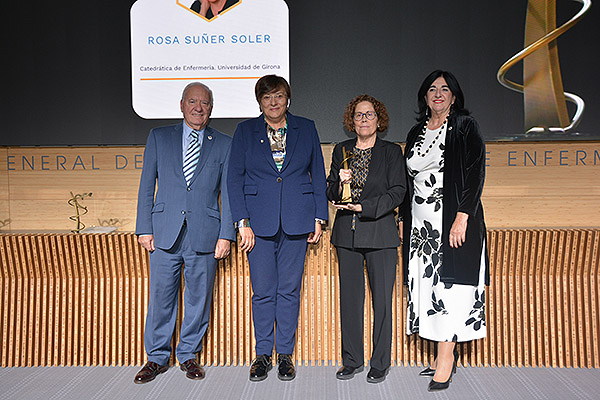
x,y
381,269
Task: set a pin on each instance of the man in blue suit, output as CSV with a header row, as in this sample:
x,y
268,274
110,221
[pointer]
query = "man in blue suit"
x,y
182,223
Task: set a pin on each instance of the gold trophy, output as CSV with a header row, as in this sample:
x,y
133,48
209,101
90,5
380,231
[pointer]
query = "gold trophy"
x,y
545,98
346,192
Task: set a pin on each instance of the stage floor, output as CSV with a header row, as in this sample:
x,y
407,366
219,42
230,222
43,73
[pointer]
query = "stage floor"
x,y
310,383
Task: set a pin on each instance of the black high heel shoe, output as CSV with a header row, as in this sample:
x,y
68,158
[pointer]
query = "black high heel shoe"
x,y
435,386
431,372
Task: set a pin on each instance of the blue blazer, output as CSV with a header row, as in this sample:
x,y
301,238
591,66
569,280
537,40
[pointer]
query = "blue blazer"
x,y
291,198
162,215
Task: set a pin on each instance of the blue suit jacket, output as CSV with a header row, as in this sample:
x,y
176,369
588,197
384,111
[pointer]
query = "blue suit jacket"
x,y
162,215
291,198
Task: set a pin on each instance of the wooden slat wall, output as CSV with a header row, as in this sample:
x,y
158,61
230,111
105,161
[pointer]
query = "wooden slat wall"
x,y
81,300
560,189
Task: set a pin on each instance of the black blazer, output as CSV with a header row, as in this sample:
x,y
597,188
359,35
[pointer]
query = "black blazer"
x,y
464,175
384,190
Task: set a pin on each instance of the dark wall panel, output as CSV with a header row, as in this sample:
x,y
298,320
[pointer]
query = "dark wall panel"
x,y
68,79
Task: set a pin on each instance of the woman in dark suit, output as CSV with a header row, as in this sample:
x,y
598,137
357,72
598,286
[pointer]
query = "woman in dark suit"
x,y
444,252
365,229
276,183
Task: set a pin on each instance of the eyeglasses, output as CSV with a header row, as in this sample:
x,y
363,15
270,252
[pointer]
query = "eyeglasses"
x,y
278,97
369,114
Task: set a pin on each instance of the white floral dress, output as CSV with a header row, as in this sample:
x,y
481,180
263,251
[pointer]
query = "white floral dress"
x,y
436,311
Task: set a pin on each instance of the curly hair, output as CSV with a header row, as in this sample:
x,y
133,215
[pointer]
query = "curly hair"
x,y
382,116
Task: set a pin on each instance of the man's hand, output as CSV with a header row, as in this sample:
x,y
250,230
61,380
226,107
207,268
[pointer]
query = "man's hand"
x,y
222,249
314,237
247,238
147,241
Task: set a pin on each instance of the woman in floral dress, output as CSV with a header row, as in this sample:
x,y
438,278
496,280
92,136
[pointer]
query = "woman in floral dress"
x,y
444,251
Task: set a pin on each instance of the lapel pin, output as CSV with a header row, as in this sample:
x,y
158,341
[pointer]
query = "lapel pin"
x,y
209,137
262,140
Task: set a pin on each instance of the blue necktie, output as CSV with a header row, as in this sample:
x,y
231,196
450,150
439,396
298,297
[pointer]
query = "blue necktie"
x,y
191,157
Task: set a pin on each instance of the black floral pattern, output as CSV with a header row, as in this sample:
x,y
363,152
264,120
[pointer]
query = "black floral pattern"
x,y
425,241
435,197
437,306
418,143
413,319
426,244
477,314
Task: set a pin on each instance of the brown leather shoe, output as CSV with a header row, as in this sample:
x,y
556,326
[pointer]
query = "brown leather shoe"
x,y
149,372
193,369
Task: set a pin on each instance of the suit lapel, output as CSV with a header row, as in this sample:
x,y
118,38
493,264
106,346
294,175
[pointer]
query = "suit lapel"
x,y
291,139
205,150
177,150
262,140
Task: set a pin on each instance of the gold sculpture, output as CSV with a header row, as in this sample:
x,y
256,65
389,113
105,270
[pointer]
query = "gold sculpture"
x,y
79,210
346,192
545,100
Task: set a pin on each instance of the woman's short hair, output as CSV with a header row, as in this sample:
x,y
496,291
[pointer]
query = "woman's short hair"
x,y
382,116
459,103
269,84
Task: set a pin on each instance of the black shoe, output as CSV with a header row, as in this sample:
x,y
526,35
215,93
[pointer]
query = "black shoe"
x,y
286,370
348,372
377,375
150,371
435,386
260,367
193,369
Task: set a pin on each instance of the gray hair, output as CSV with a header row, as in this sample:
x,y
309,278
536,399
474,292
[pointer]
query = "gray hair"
x,y
190,85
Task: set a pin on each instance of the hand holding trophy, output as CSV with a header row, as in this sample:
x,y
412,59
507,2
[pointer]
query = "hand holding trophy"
x,y
346,202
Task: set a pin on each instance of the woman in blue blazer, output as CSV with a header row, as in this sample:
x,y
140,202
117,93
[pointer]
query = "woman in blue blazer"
x,y
276,183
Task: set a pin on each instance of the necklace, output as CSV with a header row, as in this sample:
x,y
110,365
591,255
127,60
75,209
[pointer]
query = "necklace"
x,y
440,130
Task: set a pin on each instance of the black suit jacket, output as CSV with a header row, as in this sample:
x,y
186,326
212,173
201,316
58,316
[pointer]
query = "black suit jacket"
x,y
384,190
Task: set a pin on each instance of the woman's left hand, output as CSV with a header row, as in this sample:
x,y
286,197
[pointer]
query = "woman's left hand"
x,y
356,207
314,237
458,231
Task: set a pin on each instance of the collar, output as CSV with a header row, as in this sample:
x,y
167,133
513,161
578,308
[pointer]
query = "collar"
x,y
187,130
